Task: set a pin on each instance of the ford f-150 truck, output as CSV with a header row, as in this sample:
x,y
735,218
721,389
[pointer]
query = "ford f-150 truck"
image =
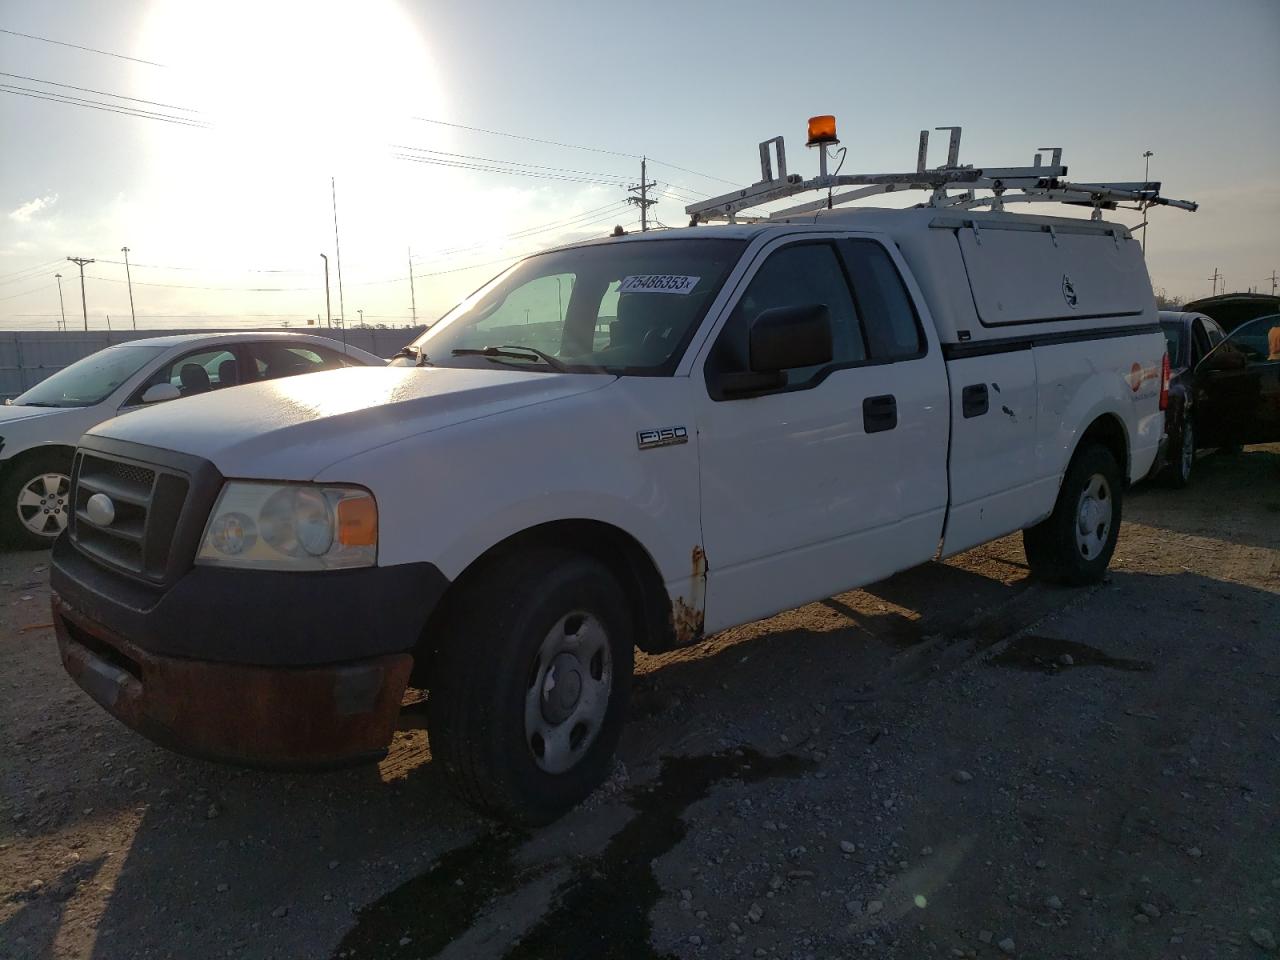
x,y
625,443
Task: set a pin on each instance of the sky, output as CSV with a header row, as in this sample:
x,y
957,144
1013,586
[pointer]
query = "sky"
x,y
258,113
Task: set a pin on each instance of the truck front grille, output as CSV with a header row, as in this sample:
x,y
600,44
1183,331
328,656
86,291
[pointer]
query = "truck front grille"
x,y
147,502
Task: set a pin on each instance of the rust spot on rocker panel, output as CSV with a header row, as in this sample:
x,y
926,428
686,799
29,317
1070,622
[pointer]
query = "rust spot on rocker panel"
x,y
687,614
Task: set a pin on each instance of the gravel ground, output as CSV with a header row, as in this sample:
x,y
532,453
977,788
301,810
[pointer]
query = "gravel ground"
x,y
956,762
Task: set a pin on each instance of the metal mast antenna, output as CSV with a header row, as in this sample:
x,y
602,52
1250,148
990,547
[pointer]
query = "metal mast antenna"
x,y
83,306
132,316
413,297
328,313
643,201
1215,278
337,247
63,307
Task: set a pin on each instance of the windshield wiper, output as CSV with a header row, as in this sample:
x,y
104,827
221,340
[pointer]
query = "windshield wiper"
x,y
511,350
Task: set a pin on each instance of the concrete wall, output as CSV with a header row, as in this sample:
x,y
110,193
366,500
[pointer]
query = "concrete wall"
x,y
28,356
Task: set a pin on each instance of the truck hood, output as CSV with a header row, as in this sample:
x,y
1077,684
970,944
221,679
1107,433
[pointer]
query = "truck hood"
x,y
292,429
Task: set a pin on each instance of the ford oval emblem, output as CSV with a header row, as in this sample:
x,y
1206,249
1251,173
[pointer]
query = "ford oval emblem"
x,y
101,510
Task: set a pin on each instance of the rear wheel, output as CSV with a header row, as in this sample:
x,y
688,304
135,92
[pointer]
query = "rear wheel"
x,y
529,688
1075,544
35,500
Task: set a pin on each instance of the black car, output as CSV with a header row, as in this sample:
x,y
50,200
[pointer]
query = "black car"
x,y
1224,390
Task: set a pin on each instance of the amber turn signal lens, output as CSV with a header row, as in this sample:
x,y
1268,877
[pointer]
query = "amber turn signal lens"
x,y
358,522
822,130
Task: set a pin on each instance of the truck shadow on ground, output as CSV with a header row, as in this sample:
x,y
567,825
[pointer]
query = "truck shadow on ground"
x,y
273,864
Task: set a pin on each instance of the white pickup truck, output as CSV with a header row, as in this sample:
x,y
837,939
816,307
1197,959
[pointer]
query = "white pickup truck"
x,y
630,442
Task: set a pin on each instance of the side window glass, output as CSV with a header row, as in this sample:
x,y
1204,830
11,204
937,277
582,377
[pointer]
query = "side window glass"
x,y
1215,333
196,373
1199,341
798,275
1258,339
893,329
275,360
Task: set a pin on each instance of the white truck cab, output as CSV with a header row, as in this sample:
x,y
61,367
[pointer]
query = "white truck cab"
x,y
630,442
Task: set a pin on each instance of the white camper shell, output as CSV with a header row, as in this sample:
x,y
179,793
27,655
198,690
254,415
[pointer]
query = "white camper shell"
x,y
631,442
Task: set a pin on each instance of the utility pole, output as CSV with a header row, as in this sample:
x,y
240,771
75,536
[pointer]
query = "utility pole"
x,y
361,312
132,316
413,297
63,307
337,247
1215,278
328,316
642,201
1272,278
83,306
1146,176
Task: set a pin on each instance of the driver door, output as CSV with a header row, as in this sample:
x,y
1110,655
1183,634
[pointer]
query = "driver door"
x,y
1237,387
837,478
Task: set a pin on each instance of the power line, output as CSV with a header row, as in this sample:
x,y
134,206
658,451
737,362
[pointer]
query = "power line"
x,y
708,176
92,105
571,146
63,43
187,286
512,163
14,296
30,273
101,93
519,173
568,223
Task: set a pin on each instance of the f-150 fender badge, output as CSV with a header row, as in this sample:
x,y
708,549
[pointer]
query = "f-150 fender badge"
x,y
662,437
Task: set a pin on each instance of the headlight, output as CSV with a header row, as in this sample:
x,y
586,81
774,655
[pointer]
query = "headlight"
x,y
291,526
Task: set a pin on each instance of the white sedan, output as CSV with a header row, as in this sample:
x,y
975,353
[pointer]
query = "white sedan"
x,y
39,430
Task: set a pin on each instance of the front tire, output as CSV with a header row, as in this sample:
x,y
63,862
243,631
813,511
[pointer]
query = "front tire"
x,y
530,684
1075,543
35,500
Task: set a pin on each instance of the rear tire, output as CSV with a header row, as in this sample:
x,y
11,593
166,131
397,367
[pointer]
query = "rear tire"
x,y
35,500
530,684
1074,545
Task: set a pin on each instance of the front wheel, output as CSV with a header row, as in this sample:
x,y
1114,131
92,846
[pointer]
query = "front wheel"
x,y
530,685
1074,545
35,500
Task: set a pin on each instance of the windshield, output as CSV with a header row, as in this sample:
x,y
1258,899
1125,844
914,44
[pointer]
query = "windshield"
x,y
627,308
90,380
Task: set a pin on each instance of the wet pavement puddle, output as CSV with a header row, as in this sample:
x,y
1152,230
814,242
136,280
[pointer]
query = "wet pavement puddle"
x,y
1051,655
601,912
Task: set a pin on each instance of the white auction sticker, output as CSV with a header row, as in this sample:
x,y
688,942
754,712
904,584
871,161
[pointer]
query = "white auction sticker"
x,y
658,283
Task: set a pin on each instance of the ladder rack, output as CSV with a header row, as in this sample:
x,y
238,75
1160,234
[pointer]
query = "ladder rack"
x,y
1039,183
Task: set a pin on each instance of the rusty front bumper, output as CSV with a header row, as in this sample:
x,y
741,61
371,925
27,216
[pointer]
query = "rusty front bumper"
x,y
295,716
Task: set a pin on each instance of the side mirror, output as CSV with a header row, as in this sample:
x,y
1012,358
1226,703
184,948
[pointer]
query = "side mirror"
x,y
781,339
160,392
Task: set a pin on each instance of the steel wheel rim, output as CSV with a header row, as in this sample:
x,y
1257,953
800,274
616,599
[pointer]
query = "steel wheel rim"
x,y
1188,450
567,697
43,504
1093,517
